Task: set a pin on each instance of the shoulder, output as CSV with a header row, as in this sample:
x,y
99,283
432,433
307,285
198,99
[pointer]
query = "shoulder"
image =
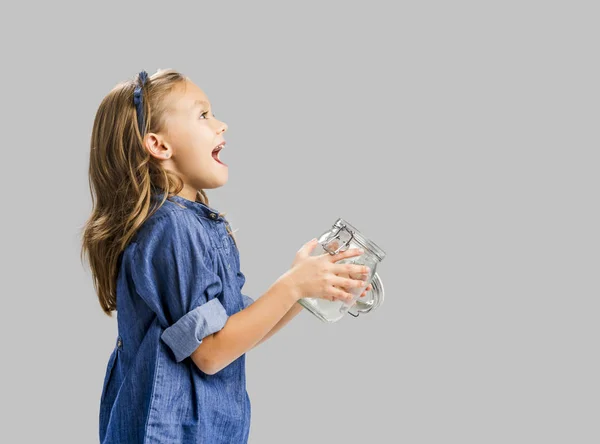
x,y
170,226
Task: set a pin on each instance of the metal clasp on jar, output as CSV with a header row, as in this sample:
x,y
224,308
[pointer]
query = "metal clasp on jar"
x,y
337,235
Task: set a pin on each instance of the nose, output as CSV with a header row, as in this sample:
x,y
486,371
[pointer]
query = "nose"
x,y
223,127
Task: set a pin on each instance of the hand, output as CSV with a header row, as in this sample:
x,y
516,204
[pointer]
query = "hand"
x,y
334,245
321,277
369,288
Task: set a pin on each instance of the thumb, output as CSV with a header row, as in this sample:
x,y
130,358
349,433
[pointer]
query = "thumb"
x,y
309,246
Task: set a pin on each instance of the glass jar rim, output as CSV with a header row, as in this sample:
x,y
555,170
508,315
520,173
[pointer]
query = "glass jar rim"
x,y
368,244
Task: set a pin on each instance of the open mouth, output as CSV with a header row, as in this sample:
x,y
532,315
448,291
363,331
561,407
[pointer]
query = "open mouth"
x,y
216,151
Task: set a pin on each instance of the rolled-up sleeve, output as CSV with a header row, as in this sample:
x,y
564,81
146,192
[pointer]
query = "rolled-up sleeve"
x,y
187,333
172,272
241,280
247,300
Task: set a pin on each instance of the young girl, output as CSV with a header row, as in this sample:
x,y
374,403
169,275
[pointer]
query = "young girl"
x,y
168,263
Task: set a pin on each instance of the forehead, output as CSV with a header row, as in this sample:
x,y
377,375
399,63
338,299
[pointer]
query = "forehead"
x,y
188,97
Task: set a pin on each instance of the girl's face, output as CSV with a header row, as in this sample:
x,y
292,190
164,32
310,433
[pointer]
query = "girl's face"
x,y
186,146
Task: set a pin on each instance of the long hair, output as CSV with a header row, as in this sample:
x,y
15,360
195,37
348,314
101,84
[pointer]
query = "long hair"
x,y
123,176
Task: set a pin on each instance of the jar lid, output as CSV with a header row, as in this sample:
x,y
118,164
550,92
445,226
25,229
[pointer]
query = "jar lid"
x,y
371,300
360,238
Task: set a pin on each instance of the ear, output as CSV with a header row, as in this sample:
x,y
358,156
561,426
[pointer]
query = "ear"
x,y
156,147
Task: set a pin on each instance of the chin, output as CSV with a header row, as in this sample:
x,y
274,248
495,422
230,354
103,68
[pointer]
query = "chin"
x,y
217,183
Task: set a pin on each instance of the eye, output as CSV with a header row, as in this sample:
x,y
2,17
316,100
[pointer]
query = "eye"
x,y
205,113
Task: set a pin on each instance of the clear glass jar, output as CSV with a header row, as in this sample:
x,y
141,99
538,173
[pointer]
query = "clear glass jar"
x,y
341,237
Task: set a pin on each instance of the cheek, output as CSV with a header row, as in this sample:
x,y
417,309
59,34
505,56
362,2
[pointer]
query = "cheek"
x,y
180,139
192,145
193,141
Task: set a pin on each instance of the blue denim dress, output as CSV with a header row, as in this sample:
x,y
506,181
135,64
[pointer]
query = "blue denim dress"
x,y
179,280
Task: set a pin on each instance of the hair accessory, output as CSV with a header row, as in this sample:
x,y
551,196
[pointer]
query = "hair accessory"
x,y
139,102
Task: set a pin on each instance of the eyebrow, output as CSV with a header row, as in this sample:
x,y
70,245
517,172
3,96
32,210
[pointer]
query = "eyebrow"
x,y
198,103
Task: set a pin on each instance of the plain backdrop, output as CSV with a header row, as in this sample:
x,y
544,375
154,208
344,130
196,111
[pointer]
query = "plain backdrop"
x,y
461,137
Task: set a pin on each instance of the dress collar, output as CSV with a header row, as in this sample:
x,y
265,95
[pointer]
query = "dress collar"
x,y
198,207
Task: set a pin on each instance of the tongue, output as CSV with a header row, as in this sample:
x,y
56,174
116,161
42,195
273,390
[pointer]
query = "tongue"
x,y
215,156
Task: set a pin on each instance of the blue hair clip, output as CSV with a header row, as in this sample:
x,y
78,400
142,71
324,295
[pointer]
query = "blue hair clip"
x,y
138,100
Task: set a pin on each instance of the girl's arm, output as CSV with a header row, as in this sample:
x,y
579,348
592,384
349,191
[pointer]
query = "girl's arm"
x,y
297,308
291,314
246,328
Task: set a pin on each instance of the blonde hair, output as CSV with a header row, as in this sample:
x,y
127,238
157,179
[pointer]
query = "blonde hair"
x,y
123,176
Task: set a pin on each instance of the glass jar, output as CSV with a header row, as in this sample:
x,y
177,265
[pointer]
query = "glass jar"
x,y
341,237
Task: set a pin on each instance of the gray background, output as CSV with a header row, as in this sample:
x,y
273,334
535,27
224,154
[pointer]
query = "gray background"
x,y
460,136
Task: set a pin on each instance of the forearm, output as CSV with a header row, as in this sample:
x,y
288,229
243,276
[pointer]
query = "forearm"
x,y
246,328
291,314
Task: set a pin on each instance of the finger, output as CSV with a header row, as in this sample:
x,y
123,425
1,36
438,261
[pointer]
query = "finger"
x,y
308,247
351,270
350,252
340,295
348,284
369,288
353,274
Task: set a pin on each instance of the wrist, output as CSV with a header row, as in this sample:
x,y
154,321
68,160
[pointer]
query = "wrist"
x,y
290,288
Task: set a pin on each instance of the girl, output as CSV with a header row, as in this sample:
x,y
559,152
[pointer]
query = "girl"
x,y
168,263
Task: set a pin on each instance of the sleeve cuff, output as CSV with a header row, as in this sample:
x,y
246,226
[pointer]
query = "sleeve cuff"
x,y
247,300
185,335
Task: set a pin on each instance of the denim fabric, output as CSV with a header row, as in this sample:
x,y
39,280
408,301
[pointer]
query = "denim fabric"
x,y
179,280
